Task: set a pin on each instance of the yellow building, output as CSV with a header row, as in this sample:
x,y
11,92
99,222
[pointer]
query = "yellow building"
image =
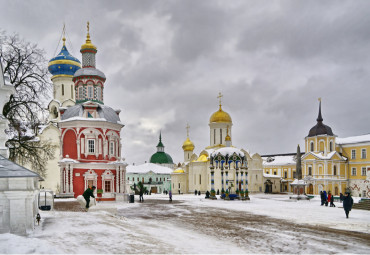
x,y
329,163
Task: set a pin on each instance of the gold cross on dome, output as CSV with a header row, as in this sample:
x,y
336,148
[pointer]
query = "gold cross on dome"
x,y
187,129
88,27
319,99
219,97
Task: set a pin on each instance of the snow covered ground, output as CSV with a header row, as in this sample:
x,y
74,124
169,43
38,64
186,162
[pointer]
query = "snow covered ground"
x,y
192,224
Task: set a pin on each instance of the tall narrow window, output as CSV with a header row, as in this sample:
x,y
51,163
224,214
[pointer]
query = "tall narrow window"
x,y
200,179
354,171
111,147
335,170
363,154
72,91
107,186
309,170
220,136
91,144
98,93
285,174
80,92
62,89
311,145
363,171
353,154
214,136
331,146
90,92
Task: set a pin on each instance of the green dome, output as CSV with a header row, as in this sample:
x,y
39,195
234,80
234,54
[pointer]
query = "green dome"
x,y
161,158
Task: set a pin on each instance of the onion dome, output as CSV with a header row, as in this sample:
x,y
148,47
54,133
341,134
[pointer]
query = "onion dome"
x,y
220,116
188,145
64,63
320,128
160,157
179,171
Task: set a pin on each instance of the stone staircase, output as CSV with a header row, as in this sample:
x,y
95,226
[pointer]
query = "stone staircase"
x,y
364,204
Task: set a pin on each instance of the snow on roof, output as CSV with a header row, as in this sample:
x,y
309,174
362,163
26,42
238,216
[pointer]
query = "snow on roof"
x,y
354,139
271,176
278,160
147,167
227,151
321,156
69,160
10,169
296,182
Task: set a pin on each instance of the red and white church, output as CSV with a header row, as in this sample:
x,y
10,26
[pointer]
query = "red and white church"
x,y
90,143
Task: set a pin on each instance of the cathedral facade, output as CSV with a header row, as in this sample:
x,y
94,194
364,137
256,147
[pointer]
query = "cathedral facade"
x,y
90,144
220,166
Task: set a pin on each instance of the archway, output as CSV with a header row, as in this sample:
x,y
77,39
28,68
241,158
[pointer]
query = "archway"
x,y
310,189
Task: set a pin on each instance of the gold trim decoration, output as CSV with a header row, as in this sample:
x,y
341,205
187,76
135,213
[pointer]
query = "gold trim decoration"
x,y
64,62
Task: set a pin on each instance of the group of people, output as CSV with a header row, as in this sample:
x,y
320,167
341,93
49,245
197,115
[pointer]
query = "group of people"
x,y
346,199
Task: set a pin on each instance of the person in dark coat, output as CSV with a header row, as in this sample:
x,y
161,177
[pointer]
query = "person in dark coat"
x,y
332,201
170,195
322,198
87,194
347,203
341,197
325,198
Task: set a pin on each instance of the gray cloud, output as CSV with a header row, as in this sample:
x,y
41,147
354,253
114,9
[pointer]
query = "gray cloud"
x,y
166,61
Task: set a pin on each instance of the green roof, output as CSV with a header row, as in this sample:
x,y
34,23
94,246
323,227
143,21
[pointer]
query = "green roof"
x,y
161,158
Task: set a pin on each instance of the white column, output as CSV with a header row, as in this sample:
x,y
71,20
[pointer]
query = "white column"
x,y
78,149
117,179
71,173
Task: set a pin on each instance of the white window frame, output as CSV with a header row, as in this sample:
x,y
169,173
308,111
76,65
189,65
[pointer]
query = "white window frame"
x,y
91,146
363,153
354,171
90,92
111,147
363,171
312,146
353,154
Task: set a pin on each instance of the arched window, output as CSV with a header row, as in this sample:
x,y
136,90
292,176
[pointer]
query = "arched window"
x,y
80,92
311,146
331,146
62,89
72,91
309,170
98,93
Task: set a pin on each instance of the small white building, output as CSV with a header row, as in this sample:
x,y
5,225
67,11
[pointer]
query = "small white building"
x,y
18,198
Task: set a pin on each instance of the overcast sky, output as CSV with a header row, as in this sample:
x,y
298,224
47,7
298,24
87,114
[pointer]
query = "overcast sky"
x,y
166,62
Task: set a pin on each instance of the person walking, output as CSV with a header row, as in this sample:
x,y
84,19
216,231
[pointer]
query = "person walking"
x,y
329,196
325,198
87,194
347,203
322,196
332,201
170,195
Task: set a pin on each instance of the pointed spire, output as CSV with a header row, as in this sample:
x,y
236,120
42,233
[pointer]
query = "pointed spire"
x,y
219,97
160,145
64,34
319,118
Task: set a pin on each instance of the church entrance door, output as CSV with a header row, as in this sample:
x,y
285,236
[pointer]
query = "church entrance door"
x,y
310,189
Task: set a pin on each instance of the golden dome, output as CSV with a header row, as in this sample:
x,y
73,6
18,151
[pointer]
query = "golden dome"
x,y
88,44
202,158
220,116
188,145
178,171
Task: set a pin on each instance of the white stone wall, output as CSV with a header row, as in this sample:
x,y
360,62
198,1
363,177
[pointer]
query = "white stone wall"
x,y
18,205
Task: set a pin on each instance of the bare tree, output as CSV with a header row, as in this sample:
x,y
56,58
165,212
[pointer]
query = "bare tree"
x,y
25,65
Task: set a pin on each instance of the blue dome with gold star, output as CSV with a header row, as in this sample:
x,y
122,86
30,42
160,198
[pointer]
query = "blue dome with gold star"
x,y
64,64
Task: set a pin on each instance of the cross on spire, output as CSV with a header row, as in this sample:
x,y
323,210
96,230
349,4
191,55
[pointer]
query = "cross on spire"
x,y
219,97
187,129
